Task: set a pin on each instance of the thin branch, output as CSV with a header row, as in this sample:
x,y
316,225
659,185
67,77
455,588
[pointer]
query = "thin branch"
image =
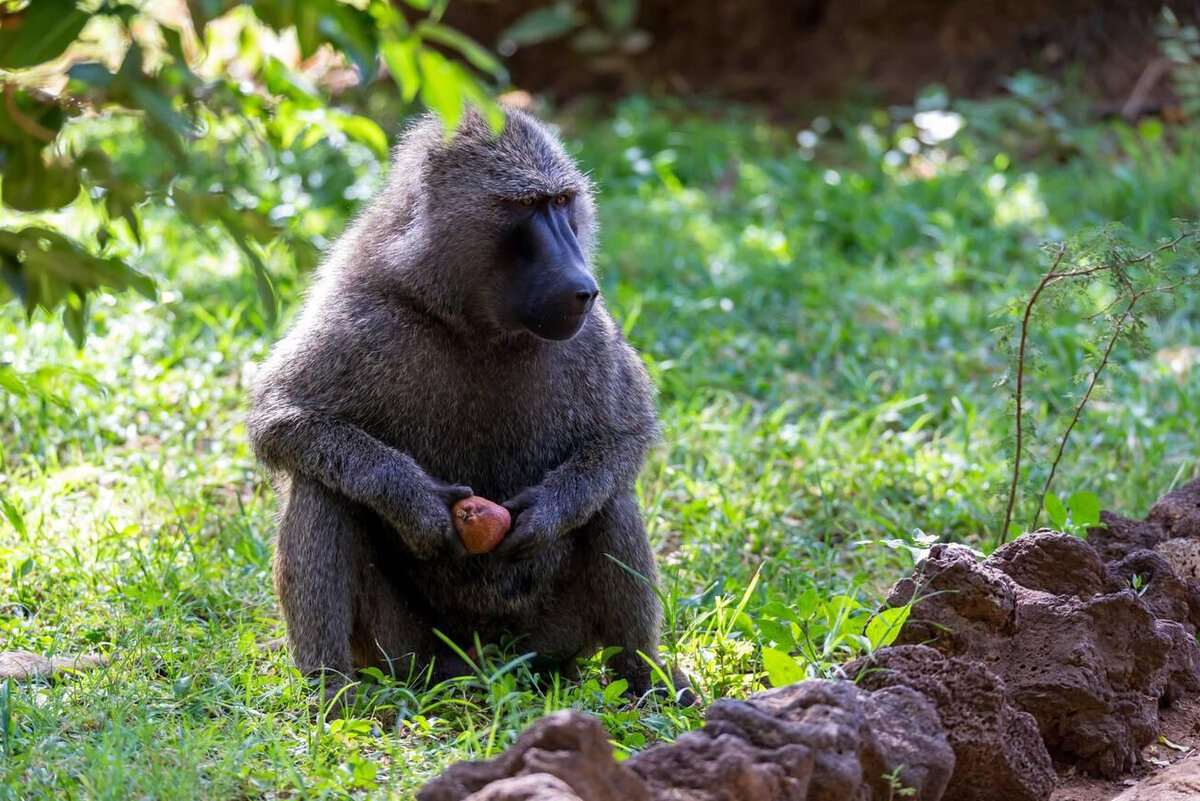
x,y
1112,341
1062,442
1053,276
1145,82
1134,296
1020,391
26,124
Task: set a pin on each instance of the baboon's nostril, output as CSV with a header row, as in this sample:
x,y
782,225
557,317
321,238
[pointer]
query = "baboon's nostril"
x,y
584,298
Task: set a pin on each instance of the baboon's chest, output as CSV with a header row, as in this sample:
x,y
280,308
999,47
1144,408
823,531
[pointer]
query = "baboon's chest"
x,y
497,430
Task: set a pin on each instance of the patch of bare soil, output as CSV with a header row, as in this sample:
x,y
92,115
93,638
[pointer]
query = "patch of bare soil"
x,y
785,54
1180,726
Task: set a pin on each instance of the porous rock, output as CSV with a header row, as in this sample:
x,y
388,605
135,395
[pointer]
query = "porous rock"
x,y
723,764
1119,536
1054,563
533,787
999,754
1179,782
1178,512
569,746
1176,516
1088,660
813,741
1183,555
1169,596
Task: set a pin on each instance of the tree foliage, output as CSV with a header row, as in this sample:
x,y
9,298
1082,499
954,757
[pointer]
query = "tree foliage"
x,y
194,86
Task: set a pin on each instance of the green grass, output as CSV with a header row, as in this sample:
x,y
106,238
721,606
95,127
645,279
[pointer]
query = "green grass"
x,y
819,322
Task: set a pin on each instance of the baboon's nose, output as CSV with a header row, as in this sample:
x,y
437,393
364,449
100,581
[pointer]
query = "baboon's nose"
x,y
584,298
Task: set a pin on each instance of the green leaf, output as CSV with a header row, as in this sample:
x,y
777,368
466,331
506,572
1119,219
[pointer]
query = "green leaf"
x,y
807,604
618,14
33,179
11,383
132,88
32,184
1056,511
614,690
44,268
353,32
363,130
75,315
202,208
40,32
543,24
471,50
244,226
262,281
441,90
705,598
92,74
1085,509
13,515
777,632
401,59
374,673
781,668
884,628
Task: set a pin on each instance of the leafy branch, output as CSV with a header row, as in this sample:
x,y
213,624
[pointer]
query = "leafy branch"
x,y
189,115
1132,279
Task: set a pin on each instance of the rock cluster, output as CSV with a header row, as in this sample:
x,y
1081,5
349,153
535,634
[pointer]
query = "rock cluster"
x,y
562,750
1049,647
817,740
1176,516
1075,644
997,748
814,741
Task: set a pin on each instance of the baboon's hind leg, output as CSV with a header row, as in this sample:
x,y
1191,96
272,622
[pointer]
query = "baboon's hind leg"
x,y
605,604
313,577
389,634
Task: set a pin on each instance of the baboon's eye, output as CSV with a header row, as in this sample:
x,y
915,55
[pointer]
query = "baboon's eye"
x,y
562,200
527,201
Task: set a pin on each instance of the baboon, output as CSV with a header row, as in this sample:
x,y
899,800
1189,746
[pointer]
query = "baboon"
x,y
454,342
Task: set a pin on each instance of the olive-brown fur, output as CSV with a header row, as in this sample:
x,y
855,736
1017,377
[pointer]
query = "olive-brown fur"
x,y
400,389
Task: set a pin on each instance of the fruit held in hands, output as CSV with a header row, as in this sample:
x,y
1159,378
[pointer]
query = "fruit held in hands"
x,y
480,523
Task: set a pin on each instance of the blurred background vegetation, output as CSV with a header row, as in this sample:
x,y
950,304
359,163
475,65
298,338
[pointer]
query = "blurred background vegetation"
x,y
819,223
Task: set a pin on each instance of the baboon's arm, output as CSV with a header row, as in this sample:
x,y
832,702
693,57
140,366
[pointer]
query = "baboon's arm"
x,y
340,455
594,473
351,462
572,493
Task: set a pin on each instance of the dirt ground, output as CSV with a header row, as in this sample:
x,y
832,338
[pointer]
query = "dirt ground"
x,y
790,54
1181,726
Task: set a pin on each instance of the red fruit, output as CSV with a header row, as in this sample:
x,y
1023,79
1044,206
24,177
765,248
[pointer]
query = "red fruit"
x,y
481,524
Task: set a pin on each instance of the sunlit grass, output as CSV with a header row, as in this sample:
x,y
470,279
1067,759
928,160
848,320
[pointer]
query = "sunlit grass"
x,y
818,319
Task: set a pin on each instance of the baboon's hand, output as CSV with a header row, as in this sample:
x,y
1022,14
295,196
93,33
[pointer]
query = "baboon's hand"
x,y
537,523
425,524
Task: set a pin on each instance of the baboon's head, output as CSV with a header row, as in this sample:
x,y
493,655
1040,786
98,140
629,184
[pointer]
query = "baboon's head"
x,y
509,219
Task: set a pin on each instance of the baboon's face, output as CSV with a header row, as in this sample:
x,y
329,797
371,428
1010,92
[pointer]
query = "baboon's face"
x,y
546,287
511,218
